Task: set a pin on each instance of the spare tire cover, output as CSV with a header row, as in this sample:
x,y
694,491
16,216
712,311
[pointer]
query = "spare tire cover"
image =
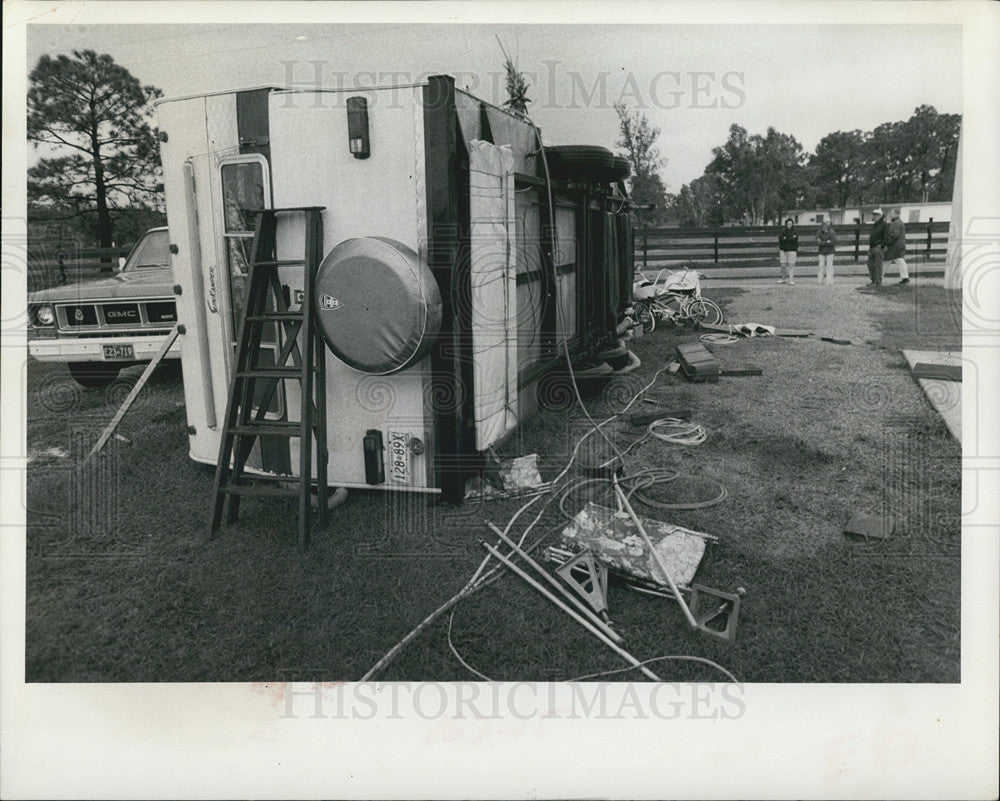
x,y
377,304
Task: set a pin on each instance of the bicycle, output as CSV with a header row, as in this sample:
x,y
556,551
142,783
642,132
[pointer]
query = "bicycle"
x,y
675,299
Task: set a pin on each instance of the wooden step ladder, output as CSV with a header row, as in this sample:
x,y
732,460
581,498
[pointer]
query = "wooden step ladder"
x,y
253,384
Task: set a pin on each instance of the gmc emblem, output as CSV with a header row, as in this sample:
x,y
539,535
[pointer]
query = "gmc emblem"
x,y
123,314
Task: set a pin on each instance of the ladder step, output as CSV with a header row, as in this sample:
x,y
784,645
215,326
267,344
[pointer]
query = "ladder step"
x,y
271,372
269,317
278,262
268,429
291,209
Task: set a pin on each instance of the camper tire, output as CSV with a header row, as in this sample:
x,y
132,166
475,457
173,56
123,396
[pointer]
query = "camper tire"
x,y
585,163
94,375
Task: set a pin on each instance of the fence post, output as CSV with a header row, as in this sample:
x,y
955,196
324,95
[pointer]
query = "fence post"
x,y
716,247
62,267
857,240
930,222
645,247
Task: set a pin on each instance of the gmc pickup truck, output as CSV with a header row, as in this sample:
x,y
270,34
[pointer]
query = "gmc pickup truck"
x,y
102,326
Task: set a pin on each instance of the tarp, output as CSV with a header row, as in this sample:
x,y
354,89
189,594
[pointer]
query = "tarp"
x,y
493,282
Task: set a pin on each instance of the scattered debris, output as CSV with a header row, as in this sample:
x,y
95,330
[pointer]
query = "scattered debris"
x,y
871,526
792,332
513,478
596,631
613,538
592,586
836,341
697,364
755,330
708,606
741,370
942,389
540,571
938,372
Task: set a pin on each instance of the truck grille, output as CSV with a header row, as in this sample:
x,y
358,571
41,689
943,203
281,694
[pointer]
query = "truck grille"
x,y
103,319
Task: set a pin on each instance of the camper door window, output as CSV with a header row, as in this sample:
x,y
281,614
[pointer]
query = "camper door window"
x,y
242,196
244,179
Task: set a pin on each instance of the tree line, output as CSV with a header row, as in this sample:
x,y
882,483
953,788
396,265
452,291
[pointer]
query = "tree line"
x,y
100,179
754,179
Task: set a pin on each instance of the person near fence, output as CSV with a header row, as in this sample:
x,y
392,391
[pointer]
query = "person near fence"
x,y
895,246
876,246
826,243
788,250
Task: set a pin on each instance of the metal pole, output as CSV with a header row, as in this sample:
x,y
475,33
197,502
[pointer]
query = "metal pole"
x,y
581,620
135,391
582,608
716,247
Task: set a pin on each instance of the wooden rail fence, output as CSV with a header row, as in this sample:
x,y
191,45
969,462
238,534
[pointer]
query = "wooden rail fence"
x,y
52,262
663,247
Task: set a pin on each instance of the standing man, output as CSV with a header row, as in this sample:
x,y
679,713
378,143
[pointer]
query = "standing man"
x,y
876,245
826,243
895,246
788,249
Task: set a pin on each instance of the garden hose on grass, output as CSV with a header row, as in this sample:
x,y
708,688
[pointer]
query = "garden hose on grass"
x,y
678,432
644,480
719,338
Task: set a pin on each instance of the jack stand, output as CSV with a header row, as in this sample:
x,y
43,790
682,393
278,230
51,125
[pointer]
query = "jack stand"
x,y
593,587
705,607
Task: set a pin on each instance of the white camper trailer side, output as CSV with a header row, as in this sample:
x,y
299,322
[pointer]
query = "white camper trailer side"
x,y
441,296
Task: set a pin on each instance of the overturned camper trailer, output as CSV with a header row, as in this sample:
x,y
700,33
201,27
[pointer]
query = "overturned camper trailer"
x,y
446,297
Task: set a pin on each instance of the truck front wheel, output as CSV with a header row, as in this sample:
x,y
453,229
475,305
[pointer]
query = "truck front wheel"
x,y
94,374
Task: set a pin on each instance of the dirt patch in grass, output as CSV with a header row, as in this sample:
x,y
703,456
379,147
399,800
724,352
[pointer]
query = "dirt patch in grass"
x,y
122,585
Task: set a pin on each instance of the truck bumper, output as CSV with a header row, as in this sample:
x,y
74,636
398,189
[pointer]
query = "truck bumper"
x,y
92,350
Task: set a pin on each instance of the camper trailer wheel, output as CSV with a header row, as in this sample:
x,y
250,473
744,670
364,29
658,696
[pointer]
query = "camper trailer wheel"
x,y
94,374
584,162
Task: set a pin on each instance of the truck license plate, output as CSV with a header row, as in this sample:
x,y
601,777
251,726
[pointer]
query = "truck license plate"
x,y
119,353
399,464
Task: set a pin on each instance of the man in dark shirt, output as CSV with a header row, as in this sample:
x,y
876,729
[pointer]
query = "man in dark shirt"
x,y
876,247
788,249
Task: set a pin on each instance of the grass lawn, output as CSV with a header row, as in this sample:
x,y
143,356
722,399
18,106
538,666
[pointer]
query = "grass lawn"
x,y
122,586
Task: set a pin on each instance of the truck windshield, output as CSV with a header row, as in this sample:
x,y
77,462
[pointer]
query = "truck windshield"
x,y
153,250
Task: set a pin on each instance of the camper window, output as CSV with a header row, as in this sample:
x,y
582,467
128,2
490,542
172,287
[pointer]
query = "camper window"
x,y
244,179
242,196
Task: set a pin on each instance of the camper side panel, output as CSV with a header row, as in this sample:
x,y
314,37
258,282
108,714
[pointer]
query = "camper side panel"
x,y
381,195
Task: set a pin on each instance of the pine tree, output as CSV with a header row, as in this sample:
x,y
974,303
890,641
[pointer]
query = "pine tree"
x,y
95,115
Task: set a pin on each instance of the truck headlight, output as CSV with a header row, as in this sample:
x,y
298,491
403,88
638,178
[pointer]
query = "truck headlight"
x,y
45,315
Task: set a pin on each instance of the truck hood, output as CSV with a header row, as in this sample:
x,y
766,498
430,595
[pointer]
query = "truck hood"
x,y
145,283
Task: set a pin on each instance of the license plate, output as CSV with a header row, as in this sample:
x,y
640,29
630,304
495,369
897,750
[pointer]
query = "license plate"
x,y
119,353
399,463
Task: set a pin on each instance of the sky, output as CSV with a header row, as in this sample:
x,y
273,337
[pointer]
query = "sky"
x,y
693,81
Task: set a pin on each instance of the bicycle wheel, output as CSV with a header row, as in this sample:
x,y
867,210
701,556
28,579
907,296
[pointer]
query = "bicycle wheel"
x,y
703,310
645,316
670,308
